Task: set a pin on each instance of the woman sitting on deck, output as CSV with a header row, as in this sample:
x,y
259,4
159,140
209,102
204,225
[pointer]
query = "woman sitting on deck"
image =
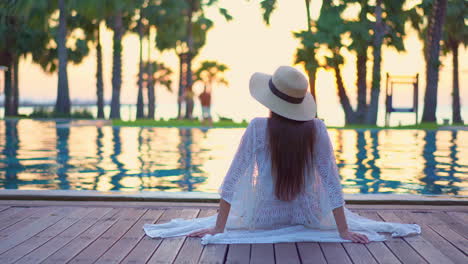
x,y
283,184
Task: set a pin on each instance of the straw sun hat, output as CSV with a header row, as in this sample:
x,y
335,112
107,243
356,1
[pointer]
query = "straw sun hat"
x,y
285,93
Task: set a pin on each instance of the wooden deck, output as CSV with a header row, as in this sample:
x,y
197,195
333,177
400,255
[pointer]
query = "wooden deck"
x,y
111,232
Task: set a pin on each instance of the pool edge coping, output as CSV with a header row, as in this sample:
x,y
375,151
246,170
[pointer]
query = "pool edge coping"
x,y
184,197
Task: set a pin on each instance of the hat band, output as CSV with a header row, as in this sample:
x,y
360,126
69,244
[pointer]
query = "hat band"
x,y
285,97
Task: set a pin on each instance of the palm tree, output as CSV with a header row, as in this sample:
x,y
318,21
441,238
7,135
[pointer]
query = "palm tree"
x,y
433,37
62,104
306,53
140,102
118,14
155,74
16,31
196,28
455,33
93,16
210,73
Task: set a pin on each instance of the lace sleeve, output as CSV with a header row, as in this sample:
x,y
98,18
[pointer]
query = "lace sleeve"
x,y
326,166
239,164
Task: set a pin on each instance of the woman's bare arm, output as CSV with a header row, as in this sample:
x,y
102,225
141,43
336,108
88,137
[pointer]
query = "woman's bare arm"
x,y
342,225
224,208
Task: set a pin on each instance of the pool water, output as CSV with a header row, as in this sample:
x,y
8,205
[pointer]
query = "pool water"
x,y
44,155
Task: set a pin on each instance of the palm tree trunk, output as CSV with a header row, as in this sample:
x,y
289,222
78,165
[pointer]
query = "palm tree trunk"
x,y
62,104
309,26
361,84
8,87
456,115
379,32
117,65
434,35
350,117
15,85
99,82
189,99
312,77
180,94
140,104
150,85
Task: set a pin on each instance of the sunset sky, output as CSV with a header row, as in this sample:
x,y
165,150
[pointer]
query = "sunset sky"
x,y
246,45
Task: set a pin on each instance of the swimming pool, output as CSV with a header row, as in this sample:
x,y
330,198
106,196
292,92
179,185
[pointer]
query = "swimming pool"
x,y
49,155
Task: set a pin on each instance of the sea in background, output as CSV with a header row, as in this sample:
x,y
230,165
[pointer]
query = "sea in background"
x,y
331,117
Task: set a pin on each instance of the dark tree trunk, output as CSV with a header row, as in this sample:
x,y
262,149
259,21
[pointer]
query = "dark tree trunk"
x,y
312,77
150,84
361,85
140,104
309,26
350,117
434,35
379,32
456,115
117,65
8,88
62,105
180,95
99,82
189,95
15,85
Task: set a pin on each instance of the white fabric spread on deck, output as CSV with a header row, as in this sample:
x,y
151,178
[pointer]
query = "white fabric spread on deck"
x,y
256,215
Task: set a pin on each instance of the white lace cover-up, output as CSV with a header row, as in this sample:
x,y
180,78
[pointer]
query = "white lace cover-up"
x,y
256,215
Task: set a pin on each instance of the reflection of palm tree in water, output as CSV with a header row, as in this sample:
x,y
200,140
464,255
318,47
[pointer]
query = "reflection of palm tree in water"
x,y
430,170
10,151
63,156
453,159
361,155
188,181
100,157
117,150
375,171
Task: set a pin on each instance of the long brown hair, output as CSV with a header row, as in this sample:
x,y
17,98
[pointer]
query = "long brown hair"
x,y
291,147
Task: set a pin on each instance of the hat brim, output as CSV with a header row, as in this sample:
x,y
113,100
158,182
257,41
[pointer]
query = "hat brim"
x,y
260,90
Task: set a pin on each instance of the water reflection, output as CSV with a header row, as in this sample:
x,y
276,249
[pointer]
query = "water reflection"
x,y
54,155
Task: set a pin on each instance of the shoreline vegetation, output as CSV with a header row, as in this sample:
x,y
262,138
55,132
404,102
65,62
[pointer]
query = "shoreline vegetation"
x,y
222,123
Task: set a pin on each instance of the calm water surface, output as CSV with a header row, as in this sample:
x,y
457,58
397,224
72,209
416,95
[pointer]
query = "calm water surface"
x,y
51,155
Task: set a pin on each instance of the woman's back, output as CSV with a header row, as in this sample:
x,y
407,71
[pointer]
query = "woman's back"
x,y
258,182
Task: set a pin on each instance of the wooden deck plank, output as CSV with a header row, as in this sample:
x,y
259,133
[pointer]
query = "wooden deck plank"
x,y
454,223
99,246
14,215
262,254
335,253
39,239
399,247
436,239
25,232
213,254
3,208
169,247
310,252
127,242
81,241
192,248
359,253
286,253
380,250
238,253
50,247
421,245
145,248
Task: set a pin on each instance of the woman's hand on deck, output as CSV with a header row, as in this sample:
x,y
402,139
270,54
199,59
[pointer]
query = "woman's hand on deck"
x,y
207,231
355,237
